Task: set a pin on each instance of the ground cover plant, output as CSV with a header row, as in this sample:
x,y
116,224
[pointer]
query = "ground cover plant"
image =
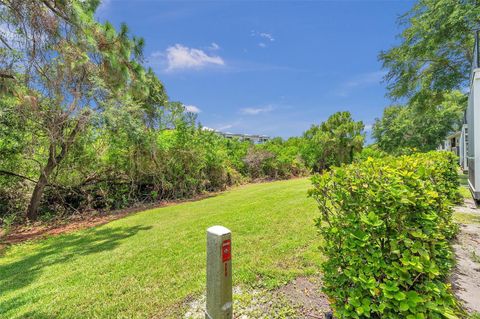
x,y
386,224
145,265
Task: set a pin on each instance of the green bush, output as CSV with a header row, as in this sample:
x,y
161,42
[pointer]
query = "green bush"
x,y
386,224
369,151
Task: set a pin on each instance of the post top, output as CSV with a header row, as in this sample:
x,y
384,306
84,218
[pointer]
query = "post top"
x,y
218,230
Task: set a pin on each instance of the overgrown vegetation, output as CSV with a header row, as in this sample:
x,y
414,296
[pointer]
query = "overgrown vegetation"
x,y
386,224
119,162
84,125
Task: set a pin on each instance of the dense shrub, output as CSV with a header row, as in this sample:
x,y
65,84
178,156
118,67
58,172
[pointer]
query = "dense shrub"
x,y
276,159
333,142
122,159
370,151
386,224
123,166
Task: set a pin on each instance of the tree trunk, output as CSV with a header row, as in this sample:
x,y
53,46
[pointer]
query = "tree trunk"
x,y
53,160
32,210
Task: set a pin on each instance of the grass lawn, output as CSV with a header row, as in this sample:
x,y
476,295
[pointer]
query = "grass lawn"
x,y
466,218
146,264
463,179
465,192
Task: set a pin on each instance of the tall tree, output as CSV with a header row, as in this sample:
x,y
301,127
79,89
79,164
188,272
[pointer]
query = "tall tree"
x,y
333,142
435,51
417,127
70,66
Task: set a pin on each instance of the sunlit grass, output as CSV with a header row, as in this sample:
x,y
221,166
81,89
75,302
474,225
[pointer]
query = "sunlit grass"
x,y
466,218
145,265
465,192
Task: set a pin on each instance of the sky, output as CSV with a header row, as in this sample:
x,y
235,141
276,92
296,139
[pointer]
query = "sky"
x,y
266,67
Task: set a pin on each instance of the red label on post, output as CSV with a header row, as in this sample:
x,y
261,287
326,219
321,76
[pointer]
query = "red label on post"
x,y
226,250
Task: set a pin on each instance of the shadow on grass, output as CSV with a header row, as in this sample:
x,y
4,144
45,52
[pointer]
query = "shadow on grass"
x,y
23,272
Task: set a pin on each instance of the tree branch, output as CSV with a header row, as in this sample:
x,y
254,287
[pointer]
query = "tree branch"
x,y
5,43
3,172
6,76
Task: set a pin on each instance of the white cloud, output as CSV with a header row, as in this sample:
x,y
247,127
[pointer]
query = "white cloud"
x,y
267,36
264,36
179,57
368,127
192,109
256,111
214,47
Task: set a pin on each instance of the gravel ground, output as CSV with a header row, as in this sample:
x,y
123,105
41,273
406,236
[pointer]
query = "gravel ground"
x,y
299,299
466,276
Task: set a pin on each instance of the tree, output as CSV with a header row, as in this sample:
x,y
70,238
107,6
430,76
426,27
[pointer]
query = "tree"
x,y
71,66
333,142
422,128
435,52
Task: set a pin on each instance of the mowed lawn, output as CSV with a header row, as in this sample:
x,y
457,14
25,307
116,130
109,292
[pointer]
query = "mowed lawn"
x,y
147,264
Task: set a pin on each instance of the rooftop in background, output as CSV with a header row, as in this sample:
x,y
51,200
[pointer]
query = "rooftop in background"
x,y
257,139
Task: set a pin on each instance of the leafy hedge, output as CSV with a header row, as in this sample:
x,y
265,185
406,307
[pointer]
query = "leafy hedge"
x,y
386,224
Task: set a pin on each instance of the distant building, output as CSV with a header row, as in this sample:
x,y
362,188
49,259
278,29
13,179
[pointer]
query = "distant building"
x,y
457,142
452,143
256,139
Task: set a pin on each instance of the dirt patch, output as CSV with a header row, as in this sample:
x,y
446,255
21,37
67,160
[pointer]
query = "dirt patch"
x,y
304,293
468,207
466,275
299,299
85,220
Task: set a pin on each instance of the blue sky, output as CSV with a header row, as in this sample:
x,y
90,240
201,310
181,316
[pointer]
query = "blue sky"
x,y
265,67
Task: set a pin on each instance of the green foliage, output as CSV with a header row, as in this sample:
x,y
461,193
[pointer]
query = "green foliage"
x,y
6,224
417,127
465,192
386,223
151,150
123,161
333,142
369,151
435,51
276,159
63,69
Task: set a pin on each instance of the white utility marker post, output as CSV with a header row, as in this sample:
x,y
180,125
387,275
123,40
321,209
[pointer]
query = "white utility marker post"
x,y
219,273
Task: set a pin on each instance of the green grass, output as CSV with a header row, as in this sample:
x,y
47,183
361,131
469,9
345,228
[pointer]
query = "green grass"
x,y
466,218
146,264
463,179
465,192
